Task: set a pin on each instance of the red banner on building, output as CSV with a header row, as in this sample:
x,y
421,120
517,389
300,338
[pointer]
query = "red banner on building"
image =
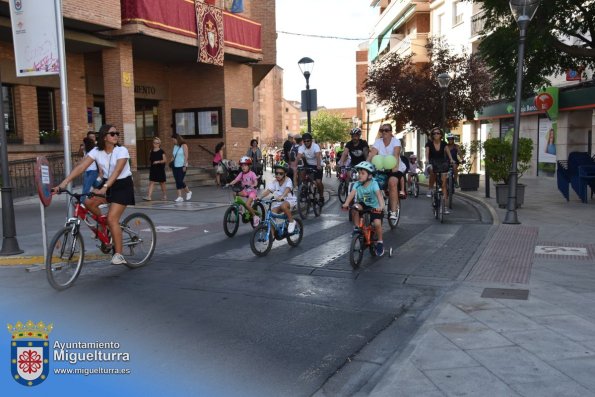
x,y
209,24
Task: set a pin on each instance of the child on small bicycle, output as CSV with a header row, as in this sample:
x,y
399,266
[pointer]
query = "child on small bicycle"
x,y
412,167
282,189
368,195
249,181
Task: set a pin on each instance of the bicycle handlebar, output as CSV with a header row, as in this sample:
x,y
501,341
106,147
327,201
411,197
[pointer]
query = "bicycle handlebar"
x,y
77,195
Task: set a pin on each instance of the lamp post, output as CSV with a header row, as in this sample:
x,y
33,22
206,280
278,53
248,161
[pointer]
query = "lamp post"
x,y
306,65
443,81
368,108
523,11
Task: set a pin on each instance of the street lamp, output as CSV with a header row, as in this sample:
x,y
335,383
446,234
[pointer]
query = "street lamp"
x,y
306,65
523,11
368,108
443,81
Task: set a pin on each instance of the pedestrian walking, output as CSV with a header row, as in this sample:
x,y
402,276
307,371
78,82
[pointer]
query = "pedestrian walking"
x,y
91,173
179,166
218,162
157,159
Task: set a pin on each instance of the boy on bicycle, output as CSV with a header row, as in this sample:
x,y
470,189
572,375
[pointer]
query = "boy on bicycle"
x,y
282,189
412,170
369,197
249,182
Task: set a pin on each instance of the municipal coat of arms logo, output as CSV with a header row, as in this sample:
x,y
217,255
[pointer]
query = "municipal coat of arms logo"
x,y
29,352
18,5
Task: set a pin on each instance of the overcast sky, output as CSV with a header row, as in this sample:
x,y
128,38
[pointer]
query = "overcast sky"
x,y
334,59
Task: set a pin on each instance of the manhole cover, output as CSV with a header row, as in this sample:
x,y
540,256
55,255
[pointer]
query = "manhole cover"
x,y
505,293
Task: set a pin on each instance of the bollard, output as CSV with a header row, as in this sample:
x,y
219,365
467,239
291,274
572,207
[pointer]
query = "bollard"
x,y
487,183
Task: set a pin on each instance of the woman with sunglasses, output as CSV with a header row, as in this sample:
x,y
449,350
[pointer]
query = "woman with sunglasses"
x,y
117,185
438,156
282,189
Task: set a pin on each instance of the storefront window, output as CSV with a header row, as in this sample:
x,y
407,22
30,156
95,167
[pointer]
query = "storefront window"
x,y
198,122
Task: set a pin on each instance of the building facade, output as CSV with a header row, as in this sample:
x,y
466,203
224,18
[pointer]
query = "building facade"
x,y
133,63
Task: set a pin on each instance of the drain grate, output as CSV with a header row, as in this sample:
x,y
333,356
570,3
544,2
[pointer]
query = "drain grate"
x,y
505,293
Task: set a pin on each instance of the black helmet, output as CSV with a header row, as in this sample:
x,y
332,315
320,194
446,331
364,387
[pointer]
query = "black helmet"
x,y
307,136
356,131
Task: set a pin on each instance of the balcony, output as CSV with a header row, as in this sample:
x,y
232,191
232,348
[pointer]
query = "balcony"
x,y
412,44
175,20
477,24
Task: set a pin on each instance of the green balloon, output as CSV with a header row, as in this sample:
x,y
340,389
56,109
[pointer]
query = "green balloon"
x,y
390,162
378,161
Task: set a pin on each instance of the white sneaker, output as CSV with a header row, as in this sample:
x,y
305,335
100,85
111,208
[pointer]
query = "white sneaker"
x,y
392,215
291,227
188,196
118,259
179,199
446,211
429,194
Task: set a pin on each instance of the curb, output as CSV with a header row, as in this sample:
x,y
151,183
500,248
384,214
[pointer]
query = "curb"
x,y
29,260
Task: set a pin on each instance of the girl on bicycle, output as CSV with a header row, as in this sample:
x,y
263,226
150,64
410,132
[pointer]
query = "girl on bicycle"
x,y
282,189
412,169
249,183
117,186
368,195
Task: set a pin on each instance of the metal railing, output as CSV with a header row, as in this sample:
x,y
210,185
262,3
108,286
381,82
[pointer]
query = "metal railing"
x,y
477,23
22,174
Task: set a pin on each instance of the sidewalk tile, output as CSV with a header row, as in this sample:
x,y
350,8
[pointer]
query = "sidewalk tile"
x,y
532,307
475,381
450,314
435,351
472,335
405,381
581,370
503,320
551,389
569,325
516,365
548,345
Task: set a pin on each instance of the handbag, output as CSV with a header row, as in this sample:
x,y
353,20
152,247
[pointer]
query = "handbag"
x,y
171,163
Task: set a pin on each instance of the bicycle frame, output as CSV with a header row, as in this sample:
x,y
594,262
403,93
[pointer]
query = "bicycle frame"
x,y
366,227
279,229
101,231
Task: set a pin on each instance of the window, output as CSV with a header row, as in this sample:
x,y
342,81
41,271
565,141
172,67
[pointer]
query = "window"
x,y
204,122
8,109
457,13
46,110
441,26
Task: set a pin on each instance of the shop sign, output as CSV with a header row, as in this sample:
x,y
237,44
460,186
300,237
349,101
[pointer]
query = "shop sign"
x,y
544,101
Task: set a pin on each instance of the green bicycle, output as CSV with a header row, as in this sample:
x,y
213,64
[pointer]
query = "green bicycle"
x,y
238,212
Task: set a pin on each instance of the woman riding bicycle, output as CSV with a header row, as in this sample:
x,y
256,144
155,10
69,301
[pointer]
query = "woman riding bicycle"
x,y
117,185
368,195
438,156
282,189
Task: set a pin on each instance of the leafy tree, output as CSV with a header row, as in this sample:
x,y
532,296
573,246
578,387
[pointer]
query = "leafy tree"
x,y
328,127
410,92
561,36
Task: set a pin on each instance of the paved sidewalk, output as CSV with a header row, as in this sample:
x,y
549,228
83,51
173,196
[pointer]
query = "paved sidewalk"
x,y
543,345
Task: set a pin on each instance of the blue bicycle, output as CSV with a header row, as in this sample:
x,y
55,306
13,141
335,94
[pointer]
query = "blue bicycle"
x,y
274,227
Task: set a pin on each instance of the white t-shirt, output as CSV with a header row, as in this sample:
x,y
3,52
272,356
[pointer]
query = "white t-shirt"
x,y
389,150
310,154
279,189
107,162
93,166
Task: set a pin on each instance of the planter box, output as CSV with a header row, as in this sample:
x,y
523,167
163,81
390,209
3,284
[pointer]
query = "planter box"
x,y
502,195
469,182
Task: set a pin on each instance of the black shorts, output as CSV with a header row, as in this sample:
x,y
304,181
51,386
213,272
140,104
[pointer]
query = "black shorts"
x,y
318,172
122,192
373,214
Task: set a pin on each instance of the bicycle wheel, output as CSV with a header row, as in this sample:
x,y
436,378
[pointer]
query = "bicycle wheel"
x,y
442,209
415,188
258,210
65,258
139,239
316,202
356,250
296,237
451,189
261,240
231,221
436,204
342,192
303,203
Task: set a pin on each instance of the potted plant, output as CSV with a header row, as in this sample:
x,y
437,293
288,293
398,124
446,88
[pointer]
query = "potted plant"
x,y
468,180
46,137
498,161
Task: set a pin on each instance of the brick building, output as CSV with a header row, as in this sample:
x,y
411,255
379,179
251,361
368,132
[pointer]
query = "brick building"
x,y
132,63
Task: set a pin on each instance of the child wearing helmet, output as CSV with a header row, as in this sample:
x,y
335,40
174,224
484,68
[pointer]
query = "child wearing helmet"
x,y
412,167
368,195
249,182
282,189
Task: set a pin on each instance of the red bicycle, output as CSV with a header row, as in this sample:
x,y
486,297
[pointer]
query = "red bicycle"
x,y
66,252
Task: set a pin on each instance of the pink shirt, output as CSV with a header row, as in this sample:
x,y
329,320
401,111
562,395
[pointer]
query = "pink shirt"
x,y
248,179
217,158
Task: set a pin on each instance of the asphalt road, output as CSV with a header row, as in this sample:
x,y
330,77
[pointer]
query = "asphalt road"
x,y
207,317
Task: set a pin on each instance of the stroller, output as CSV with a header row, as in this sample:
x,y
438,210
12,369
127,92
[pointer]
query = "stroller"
x,y
230,171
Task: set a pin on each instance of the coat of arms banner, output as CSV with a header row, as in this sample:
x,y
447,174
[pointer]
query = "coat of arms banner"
x,y
209,23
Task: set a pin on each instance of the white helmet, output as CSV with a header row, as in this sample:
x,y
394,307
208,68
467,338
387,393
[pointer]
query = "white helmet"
x,y
245,160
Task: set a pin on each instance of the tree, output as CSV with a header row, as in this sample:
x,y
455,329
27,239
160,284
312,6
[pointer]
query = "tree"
x,y
561,36
328,127
410,92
